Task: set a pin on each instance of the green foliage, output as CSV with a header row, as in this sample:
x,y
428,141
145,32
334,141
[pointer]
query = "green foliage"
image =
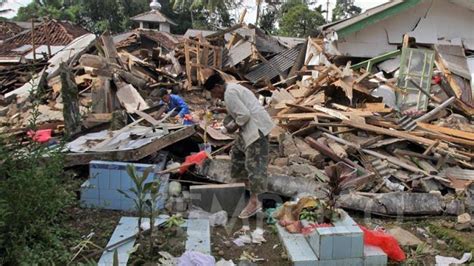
x,y
174,221
206,14
320,213
33,195
58,9
267,21
153,189
298,20
181,18
138,193
345,9
211,5
99,15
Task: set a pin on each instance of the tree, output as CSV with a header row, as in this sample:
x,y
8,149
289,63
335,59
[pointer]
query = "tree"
x,y
54,9
345,9
268,20
211,5
98,15
298,20
182,19
207,14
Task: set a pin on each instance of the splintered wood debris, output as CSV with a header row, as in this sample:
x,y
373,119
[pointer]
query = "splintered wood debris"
x,y
400,133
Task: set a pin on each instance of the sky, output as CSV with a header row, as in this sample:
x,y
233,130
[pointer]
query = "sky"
x,y
249,4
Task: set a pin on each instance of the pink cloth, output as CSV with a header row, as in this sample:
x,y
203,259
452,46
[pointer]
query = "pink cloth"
x,y
41,136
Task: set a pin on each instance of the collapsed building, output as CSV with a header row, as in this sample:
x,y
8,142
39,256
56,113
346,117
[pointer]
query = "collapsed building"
x,y
384,97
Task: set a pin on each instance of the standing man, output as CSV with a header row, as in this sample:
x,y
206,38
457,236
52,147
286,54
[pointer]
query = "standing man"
x,y
175,102
250,151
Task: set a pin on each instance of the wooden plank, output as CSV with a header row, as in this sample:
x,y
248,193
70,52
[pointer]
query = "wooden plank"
x,y
187,61
376,108
325,150
337,149
333,113
301,116
447,131
109,48
147,117
73,159
391,159
298,93
199,238
130,99
297,248
457,90
439,136
388,132
213,133
361,77
100,95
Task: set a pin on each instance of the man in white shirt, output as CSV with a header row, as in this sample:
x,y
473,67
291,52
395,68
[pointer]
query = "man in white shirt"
x,y
250,151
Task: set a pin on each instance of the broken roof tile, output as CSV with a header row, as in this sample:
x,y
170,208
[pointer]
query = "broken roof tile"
x,y
53,32
8,29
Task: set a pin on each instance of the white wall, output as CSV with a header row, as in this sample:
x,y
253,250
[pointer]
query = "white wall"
x,y
439,21
165,27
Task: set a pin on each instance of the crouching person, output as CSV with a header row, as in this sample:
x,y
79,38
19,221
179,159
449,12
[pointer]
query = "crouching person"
x,y
250,152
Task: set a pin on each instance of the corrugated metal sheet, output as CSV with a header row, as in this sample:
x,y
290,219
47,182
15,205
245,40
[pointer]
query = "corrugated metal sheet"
x,y
283,61
238,53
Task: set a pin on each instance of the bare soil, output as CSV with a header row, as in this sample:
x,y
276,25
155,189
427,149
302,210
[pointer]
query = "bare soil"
x,y
436,233
171,240
272,252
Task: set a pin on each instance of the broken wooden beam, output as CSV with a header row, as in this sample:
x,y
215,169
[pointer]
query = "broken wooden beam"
x,y
388,132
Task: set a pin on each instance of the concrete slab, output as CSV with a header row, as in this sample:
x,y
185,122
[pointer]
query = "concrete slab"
x,y
344,240
404,237
199,237
374,256
298,249
214,198
127,227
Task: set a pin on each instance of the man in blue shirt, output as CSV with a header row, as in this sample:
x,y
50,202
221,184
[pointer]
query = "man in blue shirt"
x,y
174,102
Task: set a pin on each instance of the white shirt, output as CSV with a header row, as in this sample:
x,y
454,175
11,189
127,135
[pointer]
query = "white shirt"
x,y
247,112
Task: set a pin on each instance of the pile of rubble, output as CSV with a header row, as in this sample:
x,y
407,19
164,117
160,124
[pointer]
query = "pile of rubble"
x,y
395,131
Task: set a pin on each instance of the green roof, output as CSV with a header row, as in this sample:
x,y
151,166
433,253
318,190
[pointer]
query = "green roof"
x,y
371,16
